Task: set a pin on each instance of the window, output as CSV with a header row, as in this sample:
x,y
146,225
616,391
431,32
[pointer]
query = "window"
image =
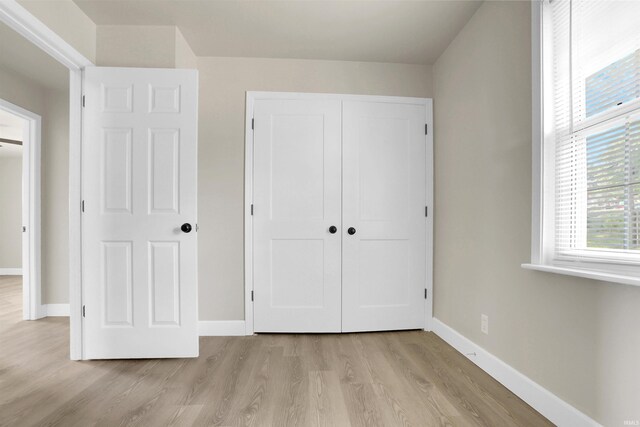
x,y
588,196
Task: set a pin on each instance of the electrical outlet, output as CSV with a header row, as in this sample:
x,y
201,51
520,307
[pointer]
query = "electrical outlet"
x,y
484,323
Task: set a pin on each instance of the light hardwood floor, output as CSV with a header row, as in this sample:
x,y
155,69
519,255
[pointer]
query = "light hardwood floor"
x,y
370,379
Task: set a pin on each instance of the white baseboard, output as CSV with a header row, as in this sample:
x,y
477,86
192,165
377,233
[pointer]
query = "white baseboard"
x,y
211,328
41,312
542,400
206,328
10,272
55,310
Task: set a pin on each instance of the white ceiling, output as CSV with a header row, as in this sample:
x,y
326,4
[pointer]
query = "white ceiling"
x,y
10,128
414,32
22,57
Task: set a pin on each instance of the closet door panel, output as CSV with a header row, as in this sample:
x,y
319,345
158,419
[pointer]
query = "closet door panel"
x,y
384,192
297,261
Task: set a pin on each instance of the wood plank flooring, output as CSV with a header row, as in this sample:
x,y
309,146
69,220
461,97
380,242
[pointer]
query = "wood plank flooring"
x,y
370,379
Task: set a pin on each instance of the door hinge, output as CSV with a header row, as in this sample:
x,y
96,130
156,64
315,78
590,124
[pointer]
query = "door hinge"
x,y
83,311
24,229
83,100
251,295
425,293
251,209
82,206
252,123
426,129
426,211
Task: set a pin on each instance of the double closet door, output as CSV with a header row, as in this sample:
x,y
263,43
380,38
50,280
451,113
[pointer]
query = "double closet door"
x,y
339,214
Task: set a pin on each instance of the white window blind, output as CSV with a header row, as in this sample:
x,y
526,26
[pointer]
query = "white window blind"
x,y
596,129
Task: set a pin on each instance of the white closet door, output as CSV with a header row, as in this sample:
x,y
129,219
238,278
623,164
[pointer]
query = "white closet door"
x,y
384,192
139,189
296,201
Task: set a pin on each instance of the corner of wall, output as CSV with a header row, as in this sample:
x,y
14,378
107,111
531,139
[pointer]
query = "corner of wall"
x,y
66,19
184,56
157,46
575,337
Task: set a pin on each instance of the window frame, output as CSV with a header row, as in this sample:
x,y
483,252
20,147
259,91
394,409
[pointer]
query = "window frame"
x,y
587,264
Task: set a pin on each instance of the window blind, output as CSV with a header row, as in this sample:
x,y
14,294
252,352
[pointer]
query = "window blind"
x,y
596,128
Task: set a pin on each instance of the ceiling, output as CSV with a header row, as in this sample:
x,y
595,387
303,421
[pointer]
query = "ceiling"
x,y
22,57
413,32
10,128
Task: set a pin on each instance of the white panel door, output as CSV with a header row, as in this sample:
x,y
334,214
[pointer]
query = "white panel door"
x,y
296,202
139,189
384,193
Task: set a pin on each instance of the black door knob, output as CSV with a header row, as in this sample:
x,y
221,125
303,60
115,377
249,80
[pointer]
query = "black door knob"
x,y
351,231
333,229
186,227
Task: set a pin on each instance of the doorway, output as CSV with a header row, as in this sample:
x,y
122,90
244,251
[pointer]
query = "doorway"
x,y
20,201
165,99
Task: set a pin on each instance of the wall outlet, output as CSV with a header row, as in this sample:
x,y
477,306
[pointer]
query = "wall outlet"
x,y
484,323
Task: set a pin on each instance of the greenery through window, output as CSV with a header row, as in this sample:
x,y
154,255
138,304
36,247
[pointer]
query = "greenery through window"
x,y
613,188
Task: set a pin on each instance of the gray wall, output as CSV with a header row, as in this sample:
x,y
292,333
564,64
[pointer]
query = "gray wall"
x,y
55,197
11,212
576,337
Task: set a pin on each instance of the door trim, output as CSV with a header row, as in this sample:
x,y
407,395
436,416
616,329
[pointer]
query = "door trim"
x,y
248,217
251,97
32,29
429,176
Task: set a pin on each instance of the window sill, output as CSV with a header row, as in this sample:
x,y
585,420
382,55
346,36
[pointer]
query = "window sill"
x,y
588,274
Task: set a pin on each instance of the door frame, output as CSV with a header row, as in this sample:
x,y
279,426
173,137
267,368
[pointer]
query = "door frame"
x,y
32,307
251,98
24,23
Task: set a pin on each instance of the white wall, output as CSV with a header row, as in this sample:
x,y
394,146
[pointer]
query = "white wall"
x,y
576,337
223,85
10,212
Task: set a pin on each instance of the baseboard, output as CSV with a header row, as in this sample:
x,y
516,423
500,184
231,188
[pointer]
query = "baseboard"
x,y
41,312
209,328
205,327
542,400
10,272
55,310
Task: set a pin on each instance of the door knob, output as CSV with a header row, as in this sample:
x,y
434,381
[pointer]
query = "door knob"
x,y
186,227
351,231
333,229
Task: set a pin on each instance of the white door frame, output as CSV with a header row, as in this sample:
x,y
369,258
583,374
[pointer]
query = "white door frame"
x,y
27,25
251,97
32,307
